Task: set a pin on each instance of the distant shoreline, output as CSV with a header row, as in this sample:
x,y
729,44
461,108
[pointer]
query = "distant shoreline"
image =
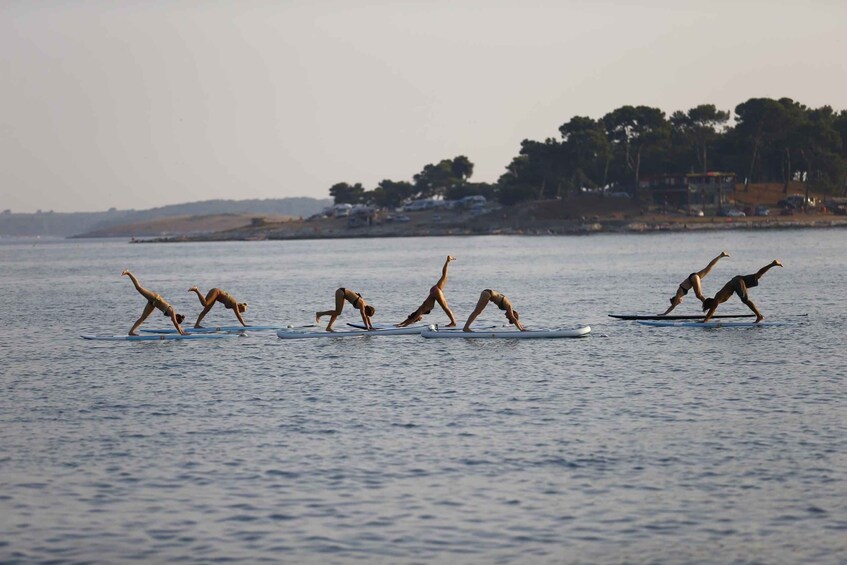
x,y
334,229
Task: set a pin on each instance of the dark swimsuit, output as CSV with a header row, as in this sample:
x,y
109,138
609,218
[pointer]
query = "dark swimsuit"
x,y
750,281
433,293
353,302
740,284
685,290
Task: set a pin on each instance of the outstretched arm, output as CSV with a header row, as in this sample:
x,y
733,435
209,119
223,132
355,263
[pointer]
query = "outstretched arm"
x,y
674,302
414,317
176,323
238,315
366,319
514,319
710,313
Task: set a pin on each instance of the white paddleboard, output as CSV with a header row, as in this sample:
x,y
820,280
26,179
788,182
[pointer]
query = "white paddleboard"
x,y
507,334
215,329
709,324
290,333
361,326
158,337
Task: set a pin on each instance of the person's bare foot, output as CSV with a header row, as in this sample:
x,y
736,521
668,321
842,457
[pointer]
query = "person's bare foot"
x,y
776,263
759,319
126,272
724,254
450,326
450,258
193,288
317,318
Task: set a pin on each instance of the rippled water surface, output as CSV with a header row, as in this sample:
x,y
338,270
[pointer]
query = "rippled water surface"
x,y
635,444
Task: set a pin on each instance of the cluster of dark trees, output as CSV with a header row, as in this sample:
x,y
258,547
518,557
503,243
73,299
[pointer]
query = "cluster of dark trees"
x,y
768,141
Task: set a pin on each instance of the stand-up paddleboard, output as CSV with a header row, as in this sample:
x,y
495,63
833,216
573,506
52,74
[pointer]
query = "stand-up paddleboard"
x,y
420,327
361,326
506,334
158,337
216,329
676,317
709,324
291,333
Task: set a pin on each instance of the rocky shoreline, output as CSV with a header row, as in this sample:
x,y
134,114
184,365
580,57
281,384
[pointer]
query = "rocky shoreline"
x,y
498,223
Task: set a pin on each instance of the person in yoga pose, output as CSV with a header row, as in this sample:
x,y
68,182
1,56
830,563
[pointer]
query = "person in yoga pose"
x,y
436,294
354,298
738,285
692,281
153,301
502,303
218,295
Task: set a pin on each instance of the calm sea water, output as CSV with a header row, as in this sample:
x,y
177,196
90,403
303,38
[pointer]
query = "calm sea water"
x,y
634,445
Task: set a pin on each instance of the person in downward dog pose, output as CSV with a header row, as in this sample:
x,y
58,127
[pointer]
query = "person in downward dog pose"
x,y
692,281
738,285
153,301
436,294
218,295
502,303
354,298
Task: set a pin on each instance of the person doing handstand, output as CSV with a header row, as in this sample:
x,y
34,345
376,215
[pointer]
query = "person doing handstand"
x,y
738,285
218,295
353,298
693,282
502,303
436,294
153,301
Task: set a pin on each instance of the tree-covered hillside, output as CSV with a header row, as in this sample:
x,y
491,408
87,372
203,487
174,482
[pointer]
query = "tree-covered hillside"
x,y
766,141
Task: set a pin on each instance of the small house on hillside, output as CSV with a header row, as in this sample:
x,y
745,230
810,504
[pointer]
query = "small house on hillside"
x,y
338,210
708,192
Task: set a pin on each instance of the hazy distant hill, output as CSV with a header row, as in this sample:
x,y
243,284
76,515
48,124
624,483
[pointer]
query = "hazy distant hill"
x,y
57,224
179,226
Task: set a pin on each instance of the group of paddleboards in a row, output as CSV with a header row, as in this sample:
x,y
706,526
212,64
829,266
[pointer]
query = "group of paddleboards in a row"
x,y
307,332
738,285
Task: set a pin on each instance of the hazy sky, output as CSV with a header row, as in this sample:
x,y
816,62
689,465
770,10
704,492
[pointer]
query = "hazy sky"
x,y
137,104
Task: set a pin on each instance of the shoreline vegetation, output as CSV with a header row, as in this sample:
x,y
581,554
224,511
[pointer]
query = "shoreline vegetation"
x,y
299,229
577,215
